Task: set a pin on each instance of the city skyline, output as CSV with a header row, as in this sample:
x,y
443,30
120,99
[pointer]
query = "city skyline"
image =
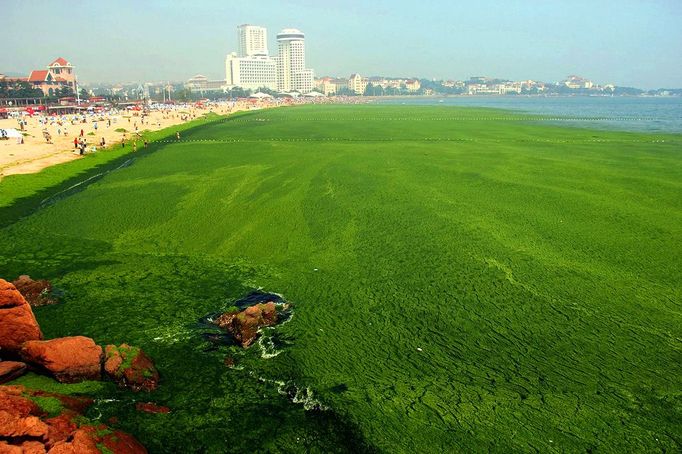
x,y
624,43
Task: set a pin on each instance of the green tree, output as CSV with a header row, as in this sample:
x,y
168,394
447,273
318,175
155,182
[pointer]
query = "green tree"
x,y
64,92
238,92
267,90
345,91
12,89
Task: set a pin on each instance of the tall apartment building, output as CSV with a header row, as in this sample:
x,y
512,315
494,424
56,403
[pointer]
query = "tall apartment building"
x,y
252,41
251,68
291,71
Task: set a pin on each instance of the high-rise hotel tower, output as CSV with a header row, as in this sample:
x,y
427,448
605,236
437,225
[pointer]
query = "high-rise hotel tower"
x,y
252,40
251,67
291,71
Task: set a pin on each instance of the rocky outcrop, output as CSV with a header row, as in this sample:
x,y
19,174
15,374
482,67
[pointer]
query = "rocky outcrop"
x,y
11,401
9,370
243,325
37,293
96,440
25,427
27,447
16,426
68,359
17,323
130,367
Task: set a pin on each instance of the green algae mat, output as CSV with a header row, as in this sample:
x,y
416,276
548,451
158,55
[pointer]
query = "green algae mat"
x,y
462,280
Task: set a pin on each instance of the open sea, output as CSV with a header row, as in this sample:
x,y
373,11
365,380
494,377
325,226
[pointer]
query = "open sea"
x,y
662,115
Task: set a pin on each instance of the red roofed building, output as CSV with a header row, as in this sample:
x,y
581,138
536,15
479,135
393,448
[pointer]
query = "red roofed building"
x,y
59,74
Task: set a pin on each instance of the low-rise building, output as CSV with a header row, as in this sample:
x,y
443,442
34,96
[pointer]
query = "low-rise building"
x,y
484,89
357,84
576,82
413,85
59,74
201,83
330,86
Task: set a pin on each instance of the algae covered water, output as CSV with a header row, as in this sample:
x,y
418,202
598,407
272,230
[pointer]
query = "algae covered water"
x,y
463,279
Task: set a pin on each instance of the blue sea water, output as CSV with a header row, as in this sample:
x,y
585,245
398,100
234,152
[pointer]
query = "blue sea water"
x,y
644,114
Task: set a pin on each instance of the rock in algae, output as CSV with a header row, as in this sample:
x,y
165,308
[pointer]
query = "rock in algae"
x,y
131,367
244,325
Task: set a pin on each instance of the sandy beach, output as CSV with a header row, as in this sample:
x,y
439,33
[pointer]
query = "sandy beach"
x,y
36,154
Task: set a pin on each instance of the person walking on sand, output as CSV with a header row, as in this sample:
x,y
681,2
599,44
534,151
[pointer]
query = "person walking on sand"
x,y
75,143
82,133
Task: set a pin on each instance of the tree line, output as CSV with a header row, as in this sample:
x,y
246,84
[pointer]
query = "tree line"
x,y
23,89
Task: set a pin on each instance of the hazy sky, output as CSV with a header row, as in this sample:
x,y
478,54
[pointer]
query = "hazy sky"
x,y
626,42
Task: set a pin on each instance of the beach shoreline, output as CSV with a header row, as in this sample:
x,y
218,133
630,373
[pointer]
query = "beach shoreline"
x,y
36,154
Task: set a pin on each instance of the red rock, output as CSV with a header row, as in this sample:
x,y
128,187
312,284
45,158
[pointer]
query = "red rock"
x,y
149,407
15,426
14,390
244,325
9,295
27,447
22,429
6,448
269,313
60,427
36,293
131,367
122,443
12,401
33,447
69,359
17,322
87,438
84,441
9,370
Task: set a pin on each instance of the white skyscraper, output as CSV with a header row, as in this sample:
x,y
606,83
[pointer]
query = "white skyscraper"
x,y
251,68
252,40
291,71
